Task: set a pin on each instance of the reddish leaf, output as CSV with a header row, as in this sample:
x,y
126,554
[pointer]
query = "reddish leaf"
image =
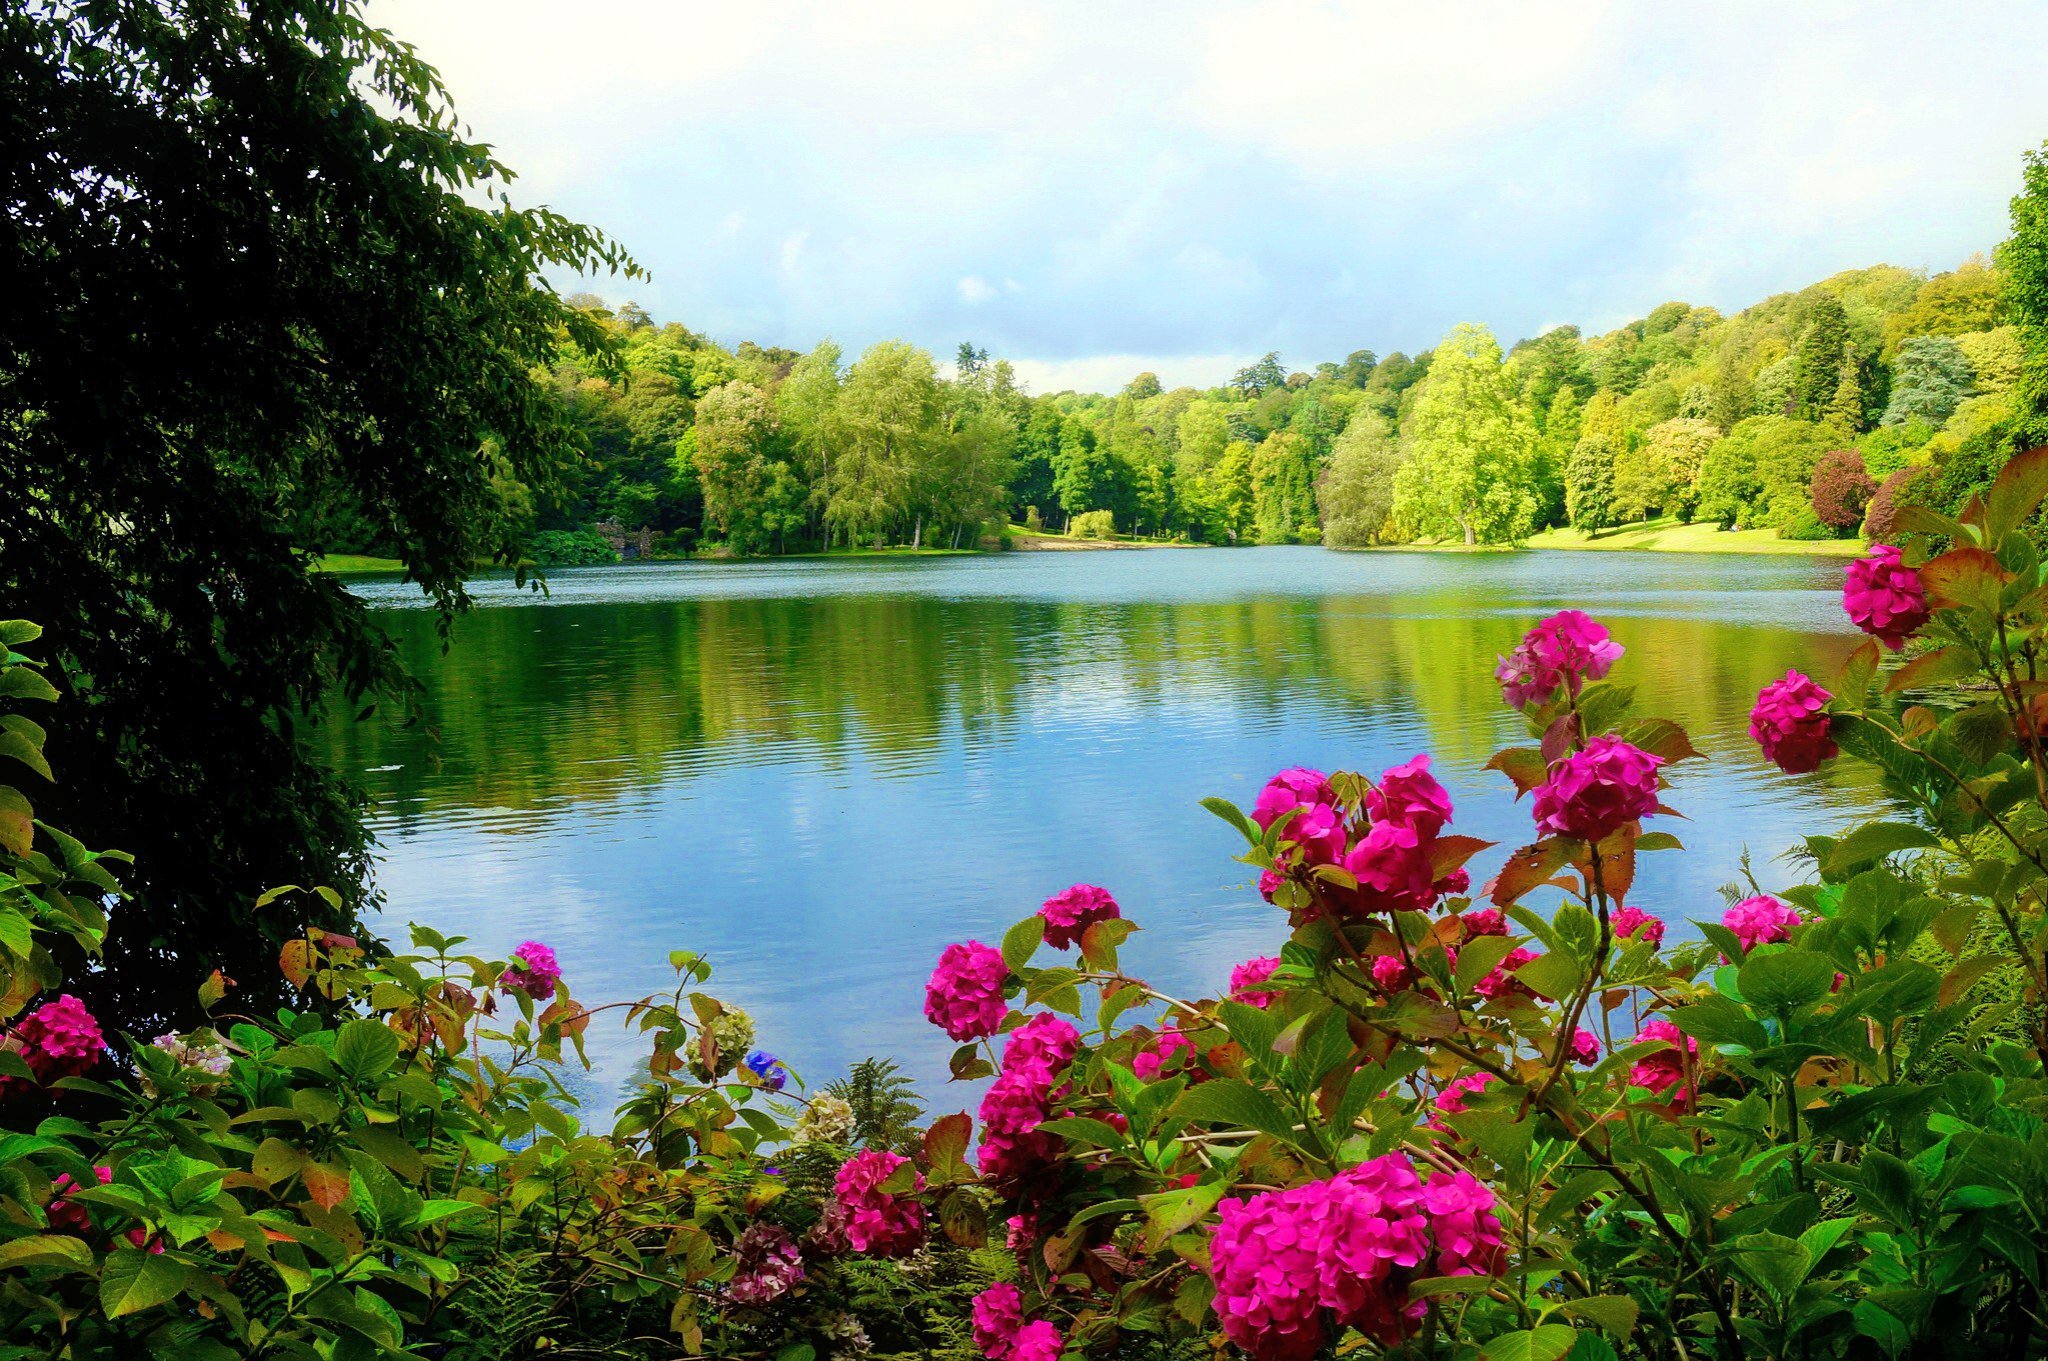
x,y
326,1183
1524,765
945,1148
1964,578
1526,869
2015,493
295,961
1447,853
1557,738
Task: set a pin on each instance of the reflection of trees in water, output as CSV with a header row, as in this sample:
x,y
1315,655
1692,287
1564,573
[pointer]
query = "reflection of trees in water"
x,y
588,702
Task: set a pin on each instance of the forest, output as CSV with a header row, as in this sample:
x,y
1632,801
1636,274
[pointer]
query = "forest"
x,y
1794,415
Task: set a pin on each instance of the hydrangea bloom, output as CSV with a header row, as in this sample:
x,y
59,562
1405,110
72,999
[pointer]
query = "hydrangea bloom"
x,y
1246,977
876,1221
1664,1071
207,1058
1036,1341
769,1265
1633,923
1585,1047
1452,1099
827,1119
1290,1265
1761,920
768,1068
1317,829
1069,913
1044,1044
1884,597
1149,1062
1565,650
1790,723
997,1314
1592,793
1409,795
67,1215
60,1038
965,995
1296,787
1391,973
1501,981
1021,1231
1391,864
533,971
1485,921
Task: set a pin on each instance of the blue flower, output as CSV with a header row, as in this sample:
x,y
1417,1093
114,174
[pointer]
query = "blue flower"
x,y
768,1068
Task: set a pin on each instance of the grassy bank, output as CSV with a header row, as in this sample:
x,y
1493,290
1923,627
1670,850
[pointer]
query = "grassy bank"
x,y
356,564
1040,540
1669,535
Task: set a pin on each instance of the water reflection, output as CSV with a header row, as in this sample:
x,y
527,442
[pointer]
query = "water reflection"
x,y
819,773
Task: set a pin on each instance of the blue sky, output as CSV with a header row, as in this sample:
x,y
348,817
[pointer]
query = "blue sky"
x,y
1094,189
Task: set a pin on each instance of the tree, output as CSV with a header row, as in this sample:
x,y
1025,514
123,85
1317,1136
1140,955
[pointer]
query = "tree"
x,y
1930,377
1144,387
735,431
882,425
1841,489
1561,429
1469,446
1356,492
1817,361
1261,377
803,407
1283,489
1678,448
2026,259
1589,482
294,282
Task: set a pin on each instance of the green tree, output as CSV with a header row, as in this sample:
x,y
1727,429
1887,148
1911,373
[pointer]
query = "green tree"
x,y
803,407
257,267
1356,492
1469,460
883,426
1589,481
1677,449
1283,489
1818,359
736,469
2026,259
1929,379
1262,376
1561,429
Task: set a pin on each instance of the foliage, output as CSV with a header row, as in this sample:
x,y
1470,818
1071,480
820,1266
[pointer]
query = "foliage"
x,y
1931,376
1841,490
1589,482
1355,494
1092,524
885,1106
571,548
1881,516
1470,448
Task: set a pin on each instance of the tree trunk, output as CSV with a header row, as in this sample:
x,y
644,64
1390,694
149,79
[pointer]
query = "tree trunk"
x,y
917,535
1469,540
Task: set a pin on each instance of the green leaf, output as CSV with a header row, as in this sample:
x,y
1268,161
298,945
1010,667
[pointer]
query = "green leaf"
x,y
1876,840
1231,1101
57,1250
1716,1020
1225,809
1615,1314
1169,1212
134,1280
365,1049
1555,975
1021,942
1786,980
1548,1342
434,1211
1773,1261
1477,958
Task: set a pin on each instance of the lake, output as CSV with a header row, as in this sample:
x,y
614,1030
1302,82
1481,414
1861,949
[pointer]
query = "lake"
x,y
818,773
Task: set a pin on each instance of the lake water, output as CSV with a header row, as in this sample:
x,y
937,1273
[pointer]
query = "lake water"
x,y
817,774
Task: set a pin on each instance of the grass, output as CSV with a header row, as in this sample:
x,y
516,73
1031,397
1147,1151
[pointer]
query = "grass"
x,y
1669,535
1018,531
354,564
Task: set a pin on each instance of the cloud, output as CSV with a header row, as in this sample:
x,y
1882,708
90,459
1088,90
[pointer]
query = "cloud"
x,y
1110,372
1222,179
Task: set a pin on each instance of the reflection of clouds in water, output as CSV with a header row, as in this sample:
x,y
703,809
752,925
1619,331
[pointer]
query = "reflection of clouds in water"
x,y
817,786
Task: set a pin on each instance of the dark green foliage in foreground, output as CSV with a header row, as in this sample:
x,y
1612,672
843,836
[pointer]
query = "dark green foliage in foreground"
x,y
257,276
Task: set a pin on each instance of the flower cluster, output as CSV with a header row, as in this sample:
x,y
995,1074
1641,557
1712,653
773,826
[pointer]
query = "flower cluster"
x,y
1790,723
1291,1265
768,1265
1002,1333
193,1051
533,971
965,995
827,1119
1632,923
1593,793
1019,1099
1314,832
1562,652
1884,597
1761,920
1069,913
1663,1072
1148,1063
1245,980
876,1221
768,1069
60,1038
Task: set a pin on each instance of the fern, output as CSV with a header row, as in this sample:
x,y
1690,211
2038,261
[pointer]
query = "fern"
x,y
885,1105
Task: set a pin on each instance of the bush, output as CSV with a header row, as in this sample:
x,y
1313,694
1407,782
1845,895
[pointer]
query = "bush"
x,y
1841,491
1807,528
1092,524
1881,517
571,548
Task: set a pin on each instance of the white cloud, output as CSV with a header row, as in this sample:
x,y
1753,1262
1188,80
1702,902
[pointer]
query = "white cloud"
x,y
974,289
1109,372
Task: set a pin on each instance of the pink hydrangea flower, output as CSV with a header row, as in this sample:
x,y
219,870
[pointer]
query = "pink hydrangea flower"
x,y
533,971
1269,883
1409,795
1149,1062
1500,981
1634,923
1391,864
1391,973
1790,723
1522,681
1567,649
878,1222
1585,1047
1044,1044
66,1214
1292,788
769,1265
1036,1341
997,1314
1452,1099
58,1039
1291,1266
1021,1231
1884,597
1069,913
1015,1103
965,995
1317,829
1761,920
1592,793
1016,1157
1245,980
1485,921
1663,1072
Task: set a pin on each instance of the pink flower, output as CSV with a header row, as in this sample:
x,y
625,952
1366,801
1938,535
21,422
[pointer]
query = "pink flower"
x,y
965,995
1290,1266
1501,981
1015,1103
1592,793
1761,920
1567,649
878,1222
1021,1232
1391,864
1451,1100
1391,973
1485,921
1269,883
1245,978
58,1039
997,1314
1409,795
1069,913
1316,832
1016,1157
1790,723
1585,1047
1633,922
1043,1045
1148,1063
1293,788
769,1265
65,1214
533,971
1664,1071
1036,1341
1884,597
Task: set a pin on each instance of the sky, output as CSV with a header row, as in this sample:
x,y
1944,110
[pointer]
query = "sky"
x,y
1096,189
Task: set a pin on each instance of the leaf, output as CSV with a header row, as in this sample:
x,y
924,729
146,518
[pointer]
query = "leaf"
x,y
1716,1020
2015,493
1523,765
1875,841
1615,1314
1528,868
1169,1212
945,1148
1964,578
1477,958
1234,1102
55,1250
1662,737
1228,811
1547,1342
1942,666
134,1280
1552,975
327,1184
1021,942
1852,682
434,1211
365,1049
1784,981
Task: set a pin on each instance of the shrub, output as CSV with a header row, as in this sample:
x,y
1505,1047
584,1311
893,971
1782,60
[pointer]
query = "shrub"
x,y
1881,517
1841,490
1092,524
572,548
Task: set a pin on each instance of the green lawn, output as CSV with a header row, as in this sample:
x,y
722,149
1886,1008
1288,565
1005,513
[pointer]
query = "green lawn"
x,y
1668,535
352,564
